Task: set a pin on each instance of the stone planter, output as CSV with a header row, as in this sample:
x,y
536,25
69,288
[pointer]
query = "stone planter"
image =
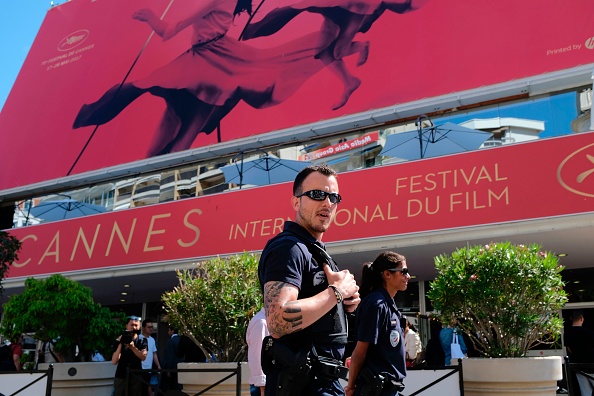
x,y
194,382
536,376
82,378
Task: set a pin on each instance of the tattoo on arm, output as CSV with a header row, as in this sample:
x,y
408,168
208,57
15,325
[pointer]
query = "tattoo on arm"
x,y
283,318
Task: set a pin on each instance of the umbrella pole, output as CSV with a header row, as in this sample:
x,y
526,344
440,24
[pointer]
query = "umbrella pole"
x,y
420,129
241,172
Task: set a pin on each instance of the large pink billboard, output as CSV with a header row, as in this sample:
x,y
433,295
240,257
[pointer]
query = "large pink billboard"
x,y
109,82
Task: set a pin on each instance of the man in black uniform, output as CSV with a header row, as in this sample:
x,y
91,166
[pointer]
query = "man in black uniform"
x,y
131,350
306,295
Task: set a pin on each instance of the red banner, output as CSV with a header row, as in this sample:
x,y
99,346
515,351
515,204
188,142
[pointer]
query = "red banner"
x,y
341,147
289,72
487,186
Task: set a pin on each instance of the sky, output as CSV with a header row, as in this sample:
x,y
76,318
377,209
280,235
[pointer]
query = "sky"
x,y
19,22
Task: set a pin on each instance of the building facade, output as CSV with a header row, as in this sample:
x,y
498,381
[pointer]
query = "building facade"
x,y
111,101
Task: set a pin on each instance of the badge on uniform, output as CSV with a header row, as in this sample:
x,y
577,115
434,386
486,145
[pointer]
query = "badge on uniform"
x,y
394,337
319,278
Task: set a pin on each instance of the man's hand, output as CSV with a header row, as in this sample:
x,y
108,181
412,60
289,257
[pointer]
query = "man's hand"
x,y
343,280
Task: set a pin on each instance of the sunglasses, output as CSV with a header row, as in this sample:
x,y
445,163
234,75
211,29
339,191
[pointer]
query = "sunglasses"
x,y
134,318
319,195
403,270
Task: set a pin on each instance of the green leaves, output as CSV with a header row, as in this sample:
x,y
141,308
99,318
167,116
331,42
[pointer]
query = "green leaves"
x,y
9,248
214,303
505,297
61,309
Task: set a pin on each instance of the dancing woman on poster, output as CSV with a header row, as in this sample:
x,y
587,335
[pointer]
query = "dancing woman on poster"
x,y
343,19
207,81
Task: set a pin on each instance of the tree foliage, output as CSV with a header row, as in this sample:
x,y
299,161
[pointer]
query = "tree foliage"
x,y
505,297
214,303
61,309
9,248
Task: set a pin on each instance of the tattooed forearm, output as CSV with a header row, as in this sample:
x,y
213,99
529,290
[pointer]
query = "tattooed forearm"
x,y
292,315
282,317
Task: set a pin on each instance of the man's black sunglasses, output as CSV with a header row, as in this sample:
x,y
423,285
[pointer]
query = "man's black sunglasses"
x,y
319,195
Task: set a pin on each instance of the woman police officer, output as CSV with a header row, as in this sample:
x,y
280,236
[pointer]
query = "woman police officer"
x,y
378,363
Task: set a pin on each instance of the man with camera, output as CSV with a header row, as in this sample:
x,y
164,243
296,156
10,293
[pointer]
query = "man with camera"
x,y
131,350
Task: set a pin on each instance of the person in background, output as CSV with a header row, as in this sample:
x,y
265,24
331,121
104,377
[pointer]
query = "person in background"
x,y
151,356
170,361
50,355
189,352
256,332
434,355
129,353
446,335
13,352
579,342
412,342
378,363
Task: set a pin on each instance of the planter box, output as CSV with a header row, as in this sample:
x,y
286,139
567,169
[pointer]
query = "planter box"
x,y
82,378
536,376
194,382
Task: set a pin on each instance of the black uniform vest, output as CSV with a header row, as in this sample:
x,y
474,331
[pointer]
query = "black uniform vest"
x,y
330,328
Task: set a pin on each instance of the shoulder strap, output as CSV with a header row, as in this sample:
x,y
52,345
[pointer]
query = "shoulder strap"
x,y
51,351
316,250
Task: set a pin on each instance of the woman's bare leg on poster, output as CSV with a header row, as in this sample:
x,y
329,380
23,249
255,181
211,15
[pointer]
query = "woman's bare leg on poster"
x,y
342,28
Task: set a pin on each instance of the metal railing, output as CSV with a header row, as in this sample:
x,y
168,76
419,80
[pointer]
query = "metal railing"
x,y
452,370
45,374
576,368
137,374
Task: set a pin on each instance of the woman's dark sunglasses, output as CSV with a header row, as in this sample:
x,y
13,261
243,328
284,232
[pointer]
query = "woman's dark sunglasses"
x,y
403,270
319,195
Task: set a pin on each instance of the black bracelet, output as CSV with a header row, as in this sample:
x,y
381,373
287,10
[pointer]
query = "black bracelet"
x,y
339,297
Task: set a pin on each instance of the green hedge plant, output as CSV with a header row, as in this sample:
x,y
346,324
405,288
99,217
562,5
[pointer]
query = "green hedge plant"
x,y
505,297
61,309
9,249
214,303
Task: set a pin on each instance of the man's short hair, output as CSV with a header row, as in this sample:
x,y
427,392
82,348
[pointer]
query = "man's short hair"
x,y
323,169
577,315
175,331
144,322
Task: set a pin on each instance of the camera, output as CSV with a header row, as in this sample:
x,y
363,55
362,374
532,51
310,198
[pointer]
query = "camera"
x,y
127,337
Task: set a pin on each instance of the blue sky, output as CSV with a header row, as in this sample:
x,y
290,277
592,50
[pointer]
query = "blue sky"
x,y
19,22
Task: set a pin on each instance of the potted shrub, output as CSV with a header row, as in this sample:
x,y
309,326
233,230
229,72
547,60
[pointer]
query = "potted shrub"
x,y
61,309
507,299
213,305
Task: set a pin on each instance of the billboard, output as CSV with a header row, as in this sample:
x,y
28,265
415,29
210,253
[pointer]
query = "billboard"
x,y
108,82
489,186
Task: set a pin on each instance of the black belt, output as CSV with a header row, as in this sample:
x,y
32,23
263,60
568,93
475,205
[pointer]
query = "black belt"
x,y
202,44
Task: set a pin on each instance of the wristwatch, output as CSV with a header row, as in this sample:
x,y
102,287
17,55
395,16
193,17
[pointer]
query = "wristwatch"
x,y
339,297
